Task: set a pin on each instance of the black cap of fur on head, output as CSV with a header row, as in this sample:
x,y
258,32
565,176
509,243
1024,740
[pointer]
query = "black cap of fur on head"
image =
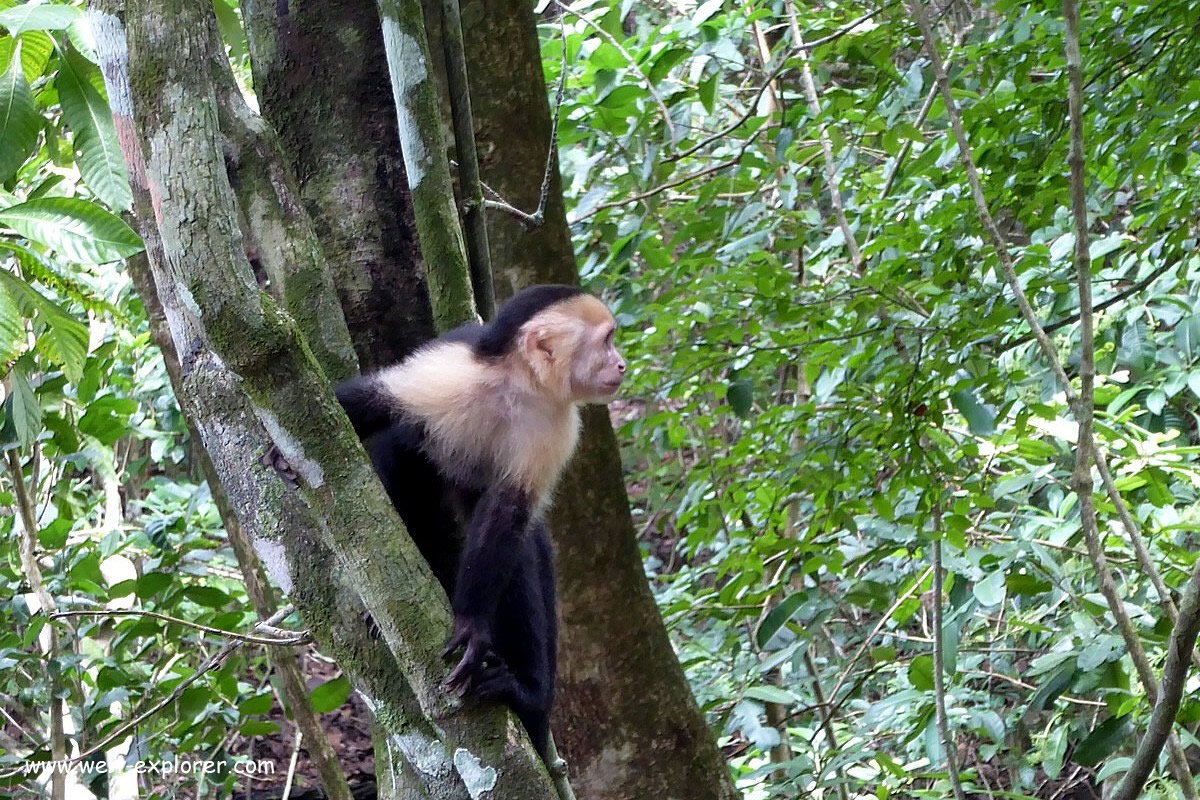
x,y
499,334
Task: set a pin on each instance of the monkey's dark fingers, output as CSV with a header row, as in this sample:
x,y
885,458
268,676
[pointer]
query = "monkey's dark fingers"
x,y
457,640
459,679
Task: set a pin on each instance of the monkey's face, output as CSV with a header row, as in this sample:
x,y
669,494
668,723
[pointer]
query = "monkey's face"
x,y
598,368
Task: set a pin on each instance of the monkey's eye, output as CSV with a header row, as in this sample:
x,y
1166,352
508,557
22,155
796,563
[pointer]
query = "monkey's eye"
x,y
608,340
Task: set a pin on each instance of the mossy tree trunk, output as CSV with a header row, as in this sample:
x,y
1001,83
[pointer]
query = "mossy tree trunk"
x,y
625,717
321,78
254,390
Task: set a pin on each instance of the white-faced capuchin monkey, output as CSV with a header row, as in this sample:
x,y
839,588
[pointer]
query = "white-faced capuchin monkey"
x,y
487,416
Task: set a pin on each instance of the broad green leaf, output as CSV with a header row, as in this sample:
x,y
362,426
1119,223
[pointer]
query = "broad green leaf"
x,y
740,395
30,17
920,673
26,412
665,61
12,331
778,617
708,91
1187,337
1102,247
771,694
1103,741
151,584
206,596
66,339
19,119
259,704
991,590
1054,751
330,695
36,48
980,420
98,154
83,39
1053,685
76,229
257,727
1155,401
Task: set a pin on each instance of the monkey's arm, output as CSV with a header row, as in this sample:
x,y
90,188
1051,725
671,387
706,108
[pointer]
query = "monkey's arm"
x,y
493,548
369,406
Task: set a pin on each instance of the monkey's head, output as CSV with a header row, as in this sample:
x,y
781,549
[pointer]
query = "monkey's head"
x,y
567,343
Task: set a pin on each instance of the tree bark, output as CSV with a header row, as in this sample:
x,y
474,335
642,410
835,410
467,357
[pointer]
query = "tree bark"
x,y
625,718
262,597
321,78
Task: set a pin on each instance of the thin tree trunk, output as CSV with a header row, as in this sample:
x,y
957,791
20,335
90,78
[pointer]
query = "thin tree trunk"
x,y
262,596
625,718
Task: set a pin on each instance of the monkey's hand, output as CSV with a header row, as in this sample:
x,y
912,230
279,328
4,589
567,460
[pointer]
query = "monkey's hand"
x,y
474,635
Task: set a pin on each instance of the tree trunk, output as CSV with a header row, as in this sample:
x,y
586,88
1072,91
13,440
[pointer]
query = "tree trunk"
x,y
321,77
625,718
255,390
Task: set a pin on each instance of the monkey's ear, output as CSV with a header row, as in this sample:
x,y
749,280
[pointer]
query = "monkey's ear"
x,y
536,344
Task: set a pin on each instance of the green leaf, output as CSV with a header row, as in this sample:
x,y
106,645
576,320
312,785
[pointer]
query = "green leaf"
x,y
980,420
206,596
36,48
740,395
151,584
66,341
1155,401
330,695
257,727
991,590
78,230
232,31
12,331
1103,741
778,617
708,91
1055,751
920,673
259,704
771,694
98,154
1102,247
665,61
1054,685
30,17
26,411
19,119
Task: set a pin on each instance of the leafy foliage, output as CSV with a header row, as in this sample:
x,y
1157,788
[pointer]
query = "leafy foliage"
x,y
805,428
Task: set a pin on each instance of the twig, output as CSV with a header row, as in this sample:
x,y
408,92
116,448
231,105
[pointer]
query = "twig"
x,y
1067,320
498,203
288,639
939,664
814,106
691,176
752,106
291,773
474,223
883,620
632,63
33,573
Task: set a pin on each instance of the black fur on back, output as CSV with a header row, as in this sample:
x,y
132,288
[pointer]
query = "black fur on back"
x,y
499,334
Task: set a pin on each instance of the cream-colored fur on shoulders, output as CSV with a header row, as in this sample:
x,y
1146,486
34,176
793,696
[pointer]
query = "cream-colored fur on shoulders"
x,y
485,416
